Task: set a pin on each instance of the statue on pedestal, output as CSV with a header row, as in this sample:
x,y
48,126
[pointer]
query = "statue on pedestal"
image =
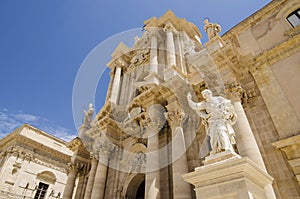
x,y
218,116
212,29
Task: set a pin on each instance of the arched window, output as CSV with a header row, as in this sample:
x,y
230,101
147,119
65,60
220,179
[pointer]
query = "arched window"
x,y
47,176
294,18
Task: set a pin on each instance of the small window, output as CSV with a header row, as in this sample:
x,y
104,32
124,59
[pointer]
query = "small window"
x,y
41,191
294,18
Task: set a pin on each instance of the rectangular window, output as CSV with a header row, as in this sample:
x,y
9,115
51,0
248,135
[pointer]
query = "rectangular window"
x,y
294,18
41,191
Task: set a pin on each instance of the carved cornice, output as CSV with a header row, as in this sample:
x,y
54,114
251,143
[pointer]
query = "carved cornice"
x,y
139,58
179,24
74,144
25,149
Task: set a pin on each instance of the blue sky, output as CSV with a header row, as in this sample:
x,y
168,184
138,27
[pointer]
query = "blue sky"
x,y
44,42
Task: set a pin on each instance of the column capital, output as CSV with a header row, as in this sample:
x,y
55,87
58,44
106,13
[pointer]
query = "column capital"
x,y
237,93
120,63
169,28
153,31
175,115
72,168
103,148
78,167
234,91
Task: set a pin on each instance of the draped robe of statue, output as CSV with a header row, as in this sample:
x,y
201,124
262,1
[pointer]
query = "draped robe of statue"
x,y
218,116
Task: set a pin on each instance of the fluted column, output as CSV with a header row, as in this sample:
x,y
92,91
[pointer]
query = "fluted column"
x,y
98,190
171,57
116,85
91,179
152,182
69,187
80,185
245,140
175,117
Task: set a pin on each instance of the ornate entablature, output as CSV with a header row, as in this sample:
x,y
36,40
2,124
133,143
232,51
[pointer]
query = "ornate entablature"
x,y
25,149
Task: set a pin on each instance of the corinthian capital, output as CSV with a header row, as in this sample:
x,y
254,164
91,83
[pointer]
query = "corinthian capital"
x,y
175,115
103,147
235,91
169,27
72,168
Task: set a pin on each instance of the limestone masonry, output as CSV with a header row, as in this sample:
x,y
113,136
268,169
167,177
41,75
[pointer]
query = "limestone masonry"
x,y
146,141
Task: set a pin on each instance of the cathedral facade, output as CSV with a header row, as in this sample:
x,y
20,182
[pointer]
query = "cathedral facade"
x,y
147,136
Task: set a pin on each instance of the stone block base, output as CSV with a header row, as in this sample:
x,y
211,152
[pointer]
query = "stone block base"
x,y
171,72
214,44
234,178
153,78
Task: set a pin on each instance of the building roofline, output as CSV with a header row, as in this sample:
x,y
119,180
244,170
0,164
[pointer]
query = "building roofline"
x,y
254,18
19,129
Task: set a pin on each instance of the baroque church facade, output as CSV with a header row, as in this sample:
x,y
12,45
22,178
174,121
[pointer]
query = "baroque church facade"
x,y
146,139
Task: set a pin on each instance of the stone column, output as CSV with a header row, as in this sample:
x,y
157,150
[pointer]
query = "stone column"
x,y
171,56
80,185
152,182
98,190
175,117
69,187
116,85
153,54
91,179
245,140
181,54
153,76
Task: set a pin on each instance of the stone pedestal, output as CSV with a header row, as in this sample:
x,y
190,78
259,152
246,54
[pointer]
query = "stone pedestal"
x,y
171,72
227,175
153,78
214,44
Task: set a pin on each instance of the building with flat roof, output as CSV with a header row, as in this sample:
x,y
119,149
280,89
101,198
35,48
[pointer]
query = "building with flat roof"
x,y
33,164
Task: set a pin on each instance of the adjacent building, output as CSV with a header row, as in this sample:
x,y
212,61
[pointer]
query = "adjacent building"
x,y
33,164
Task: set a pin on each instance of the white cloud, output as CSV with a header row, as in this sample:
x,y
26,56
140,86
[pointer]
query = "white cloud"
x,y
59,132
26,117
10,121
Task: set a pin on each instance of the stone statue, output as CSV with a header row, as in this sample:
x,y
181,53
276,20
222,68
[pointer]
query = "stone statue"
x,y
218,116
88,115
212,29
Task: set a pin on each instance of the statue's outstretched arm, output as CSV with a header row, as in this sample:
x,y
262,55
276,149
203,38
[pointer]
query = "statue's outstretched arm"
x,y
192,104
